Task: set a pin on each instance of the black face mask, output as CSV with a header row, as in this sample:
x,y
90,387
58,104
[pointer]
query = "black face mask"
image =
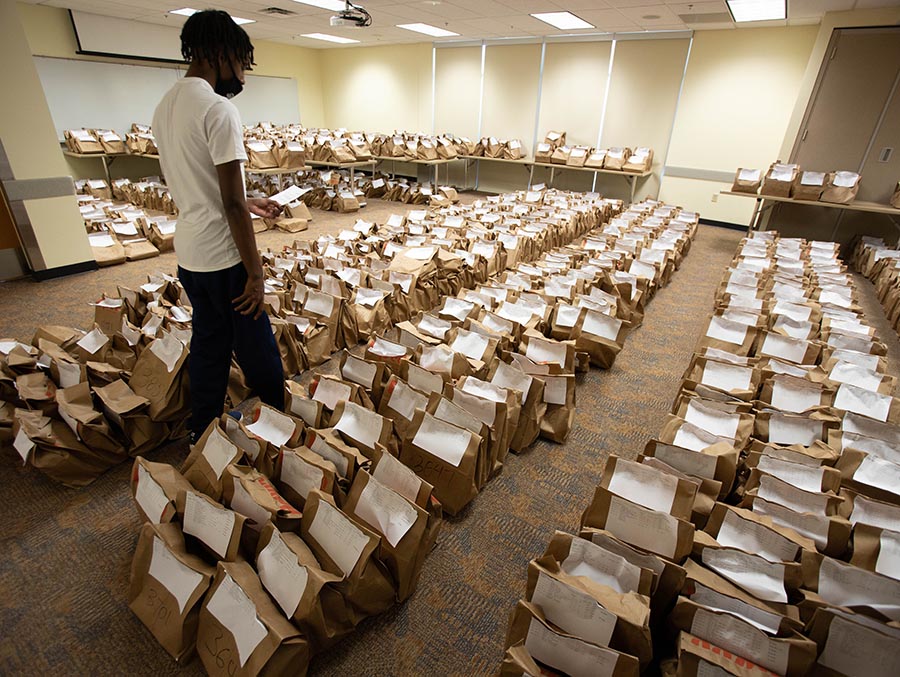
x,y
229,88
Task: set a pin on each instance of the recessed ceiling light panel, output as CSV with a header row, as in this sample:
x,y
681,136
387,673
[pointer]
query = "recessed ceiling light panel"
x,y
757,10
563,20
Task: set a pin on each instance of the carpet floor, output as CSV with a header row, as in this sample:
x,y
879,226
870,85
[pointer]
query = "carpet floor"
x,y
66,553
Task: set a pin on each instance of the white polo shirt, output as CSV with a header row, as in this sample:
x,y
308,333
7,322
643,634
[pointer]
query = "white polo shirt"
x,y
195,130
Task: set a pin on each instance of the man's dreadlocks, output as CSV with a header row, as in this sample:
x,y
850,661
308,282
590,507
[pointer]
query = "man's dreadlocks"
x,y
212,33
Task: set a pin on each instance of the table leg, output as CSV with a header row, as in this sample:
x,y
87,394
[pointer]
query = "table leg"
x,y
751,226
632,182
552,175
530,177
105,160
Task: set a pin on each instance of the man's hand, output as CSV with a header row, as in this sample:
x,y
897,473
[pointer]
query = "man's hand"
x,y
264,207
251,301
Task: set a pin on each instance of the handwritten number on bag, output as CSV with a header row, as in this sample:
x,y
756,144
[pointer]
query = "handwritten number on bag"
x,y
161,612
223,660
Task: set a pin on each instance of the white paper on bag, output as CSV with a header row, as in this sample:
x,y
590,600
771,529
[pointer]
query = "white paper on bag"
x,y
330,392
360,424
281,574
601,566
219,451
719,423
727,331
237,613
573,611
795,395
726,377
573,656
555,389
395,475
339,537
858,651
875,513
243,504
877,473
804,477
764,620
746,535
386,511
93,341
179,579
273,426
888,562
843,584
210,524
299,475
865,402
546,352
774,490
647,529
814,527
643,485
150,496
732,634
442,439
787,430
756,575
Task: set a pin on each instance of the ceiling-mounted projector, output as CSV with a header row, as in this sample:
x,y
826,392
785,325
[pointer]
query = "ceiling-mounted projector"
x,y
352,16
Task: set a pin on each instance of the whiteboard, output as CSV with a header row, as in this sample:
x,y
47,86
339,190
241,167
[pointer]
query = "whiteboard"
x,y
100,95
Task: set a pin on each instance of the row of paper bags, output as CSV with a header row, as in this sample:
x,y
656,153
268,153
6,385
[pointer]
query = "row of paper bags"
x,y
322,471
758,424
881,264
787,180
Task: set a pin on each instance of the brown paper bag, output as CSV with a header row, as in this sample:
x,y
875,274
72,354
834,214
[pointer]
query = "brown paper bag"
x,y
808,186
618,620
570,655
346,548
445,456
747,181
402,525
211,455
791,655
250,493
305,593
841,187
213,526
242,632
657,532
155,487
161,377
167,586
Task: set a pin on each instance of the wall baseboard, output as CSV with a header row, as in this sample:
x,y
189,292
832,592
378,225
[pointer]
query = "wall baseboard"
x,y
62,271
723,224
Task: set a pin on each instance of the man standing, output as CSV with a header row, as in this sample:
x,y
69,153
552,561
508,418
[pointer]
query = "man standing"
x,y
201,151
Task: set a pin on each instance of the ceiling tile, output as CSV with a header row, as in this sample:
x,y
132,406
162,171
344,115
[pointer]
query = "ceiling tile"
x,y
608,20
816,8
641,15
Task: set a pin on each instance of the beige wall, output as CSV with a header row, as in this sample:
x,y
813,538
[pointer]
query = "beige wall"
x,y
29,139
378,89
511,75
739,91
643,95
457,90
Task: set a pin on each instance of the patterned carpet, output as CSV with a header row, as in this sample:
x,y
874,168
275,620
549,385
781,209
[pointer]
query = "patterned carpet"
x,y
66,553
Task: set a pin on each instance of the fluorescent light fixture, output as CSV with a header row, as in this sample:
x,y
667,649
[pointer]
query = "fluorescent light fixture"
x,y
563,20
428,29
329,38
757,10
188,11
333,5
